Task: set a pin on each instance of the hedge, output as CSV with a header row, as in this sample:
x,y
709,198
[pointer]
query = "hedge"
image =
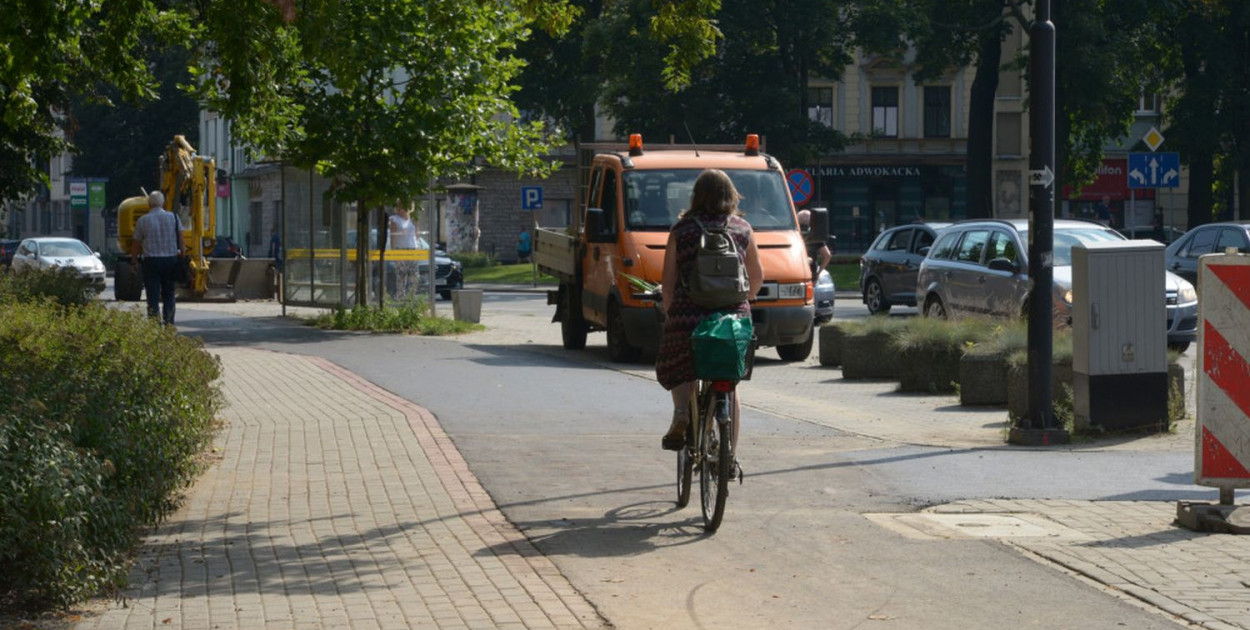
x,y
104,415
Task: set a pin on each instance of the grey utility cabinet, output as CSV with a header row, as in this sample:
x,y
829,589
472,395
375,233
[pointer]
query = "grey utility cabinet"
x,y
1119,336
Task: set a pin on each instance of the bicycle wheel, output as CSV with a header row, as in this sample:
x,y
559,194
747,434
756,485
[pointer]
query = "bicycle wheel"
x,y
716,459
685,456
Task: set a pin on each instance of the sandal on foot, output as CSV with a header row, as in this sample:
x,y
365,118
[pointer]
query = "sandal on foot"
x,y
675,439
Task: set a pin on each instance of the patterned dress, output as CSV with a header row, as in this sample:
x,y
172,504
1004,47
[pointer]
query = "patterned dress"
x,y
674,363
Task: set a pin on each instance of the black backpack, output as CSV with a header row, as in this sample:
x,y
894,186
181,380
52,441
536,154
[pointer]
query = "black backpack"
x,y
718,279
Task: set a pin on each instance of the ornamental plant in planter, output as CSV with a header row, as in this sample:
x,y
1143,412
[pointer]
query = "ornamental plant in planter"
x,y
930,349
1060,385
831,343
983,367
868,348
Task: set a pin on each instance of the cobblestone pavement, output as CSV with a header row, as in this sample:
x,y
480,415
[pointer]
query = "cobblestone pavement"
x,y
336,504
1133,549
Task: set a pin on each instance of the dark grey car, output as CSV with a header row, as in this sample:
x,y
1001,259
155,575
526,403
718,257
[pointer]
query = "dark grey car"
x,y
887,271
1181,257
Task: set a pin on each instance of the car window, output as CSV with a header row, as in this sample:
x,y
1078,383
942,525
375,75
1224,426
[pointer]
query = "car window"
x,y
1201,243
1231,237
1002,246
973,245
899,241
944,249
65,248
924,238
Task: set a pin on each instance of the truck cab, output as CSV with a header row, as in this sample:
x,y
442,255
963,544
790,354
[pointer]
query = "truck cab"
x,y
632,201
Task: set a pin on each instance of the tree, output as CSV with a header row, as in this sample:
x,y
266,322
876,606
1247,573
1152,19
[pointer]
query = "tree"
x,y
124,141
54,49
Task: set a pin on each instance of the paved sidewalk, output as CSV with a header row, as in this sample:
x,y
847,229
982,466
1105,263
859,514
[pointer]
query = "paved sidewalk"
x,y
335,504
1132,549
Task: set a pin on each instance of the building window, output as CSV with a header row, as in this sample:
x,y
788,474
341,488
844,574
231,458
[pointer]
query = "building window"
x,y
1008,132
885,112
937,111
820,105
1148,104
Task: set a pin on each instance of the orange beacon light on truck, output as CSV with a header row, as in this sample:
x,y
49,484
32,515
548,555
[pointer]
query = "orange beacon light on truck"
x,y
635,144
753,144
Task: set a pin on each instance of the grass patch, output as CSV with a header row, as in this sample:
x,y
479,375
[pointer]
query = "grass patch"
x,y
845,275
877,323
519,273
405,318
930,332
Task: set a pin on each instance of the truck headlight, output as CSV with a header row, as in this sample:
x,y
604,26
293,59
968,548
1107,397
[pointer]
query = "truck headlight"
x,y
796,291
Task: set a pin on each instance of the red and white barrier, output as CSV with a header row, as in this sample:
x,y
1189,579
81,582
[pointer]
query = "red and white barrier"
x,y
1222,453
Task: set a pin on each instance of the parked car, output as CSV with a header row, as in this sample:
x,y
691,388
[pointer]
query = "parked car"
x,y
887,271
47,252
225,247
7,248
447,272
824,297
981,267
1181,257
1168,235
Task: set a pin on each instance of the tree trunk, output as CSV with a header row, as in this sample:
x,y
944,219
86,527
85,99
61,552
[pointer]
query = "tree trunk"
x,y
1201,178
362,253
981,127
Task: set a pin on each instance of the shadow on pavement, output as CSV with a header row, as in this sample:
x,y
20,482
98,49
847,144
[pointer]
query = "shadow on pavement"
x,y
628,530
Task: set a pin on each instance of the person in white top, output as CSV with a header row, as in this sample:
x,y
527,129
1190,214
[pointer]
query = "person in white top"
x,y
402,234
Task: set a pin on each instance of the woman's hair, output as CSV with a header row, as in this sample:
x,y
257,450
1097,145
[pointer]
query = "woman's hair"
x,y
714,195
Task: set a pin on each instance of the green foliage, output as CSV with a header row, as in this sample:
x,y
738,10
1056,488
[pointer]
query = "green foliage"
x,y
408,317
1060,355
105,415
520,273
891,326
62,285
473,260
930,332
1005,339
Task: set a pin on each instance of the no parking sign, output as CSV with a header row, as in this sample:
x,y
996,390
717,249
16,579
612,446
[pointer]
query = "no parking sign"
x,y
1222,452
801,188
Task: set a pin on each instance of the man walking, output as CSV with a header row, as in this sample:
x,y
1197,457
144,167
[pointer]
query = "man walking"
x,y
158,238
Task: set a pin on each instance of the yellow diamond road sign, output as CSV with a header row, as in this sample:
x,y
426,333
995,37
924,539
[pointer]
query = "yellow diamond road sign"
x,y
1153,139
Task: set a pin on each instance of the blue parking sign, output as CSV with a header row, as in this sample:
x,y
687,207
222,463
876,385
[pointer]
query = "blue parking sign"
x,y
1154,170
531,197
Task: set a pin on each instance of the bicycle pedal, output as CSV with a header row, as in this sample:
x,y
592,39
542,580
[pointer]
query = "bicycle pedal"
x,y
736,472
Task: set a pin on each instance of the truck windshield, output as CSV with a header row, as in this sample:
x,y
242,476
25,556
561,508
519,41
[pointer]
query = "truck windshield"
x,y
655,198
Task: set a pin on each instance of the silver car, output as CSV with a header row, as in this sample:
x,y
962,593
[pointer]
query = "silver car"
x,y
47,252
981,267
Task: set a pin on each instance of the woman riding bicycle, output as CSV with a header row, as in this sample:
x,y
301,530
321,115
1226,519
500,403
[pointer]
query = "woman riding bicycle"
x,y
714,202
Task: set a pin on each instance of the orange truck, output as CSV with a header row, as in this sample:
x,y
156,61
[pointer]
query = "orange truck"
x,y
633,198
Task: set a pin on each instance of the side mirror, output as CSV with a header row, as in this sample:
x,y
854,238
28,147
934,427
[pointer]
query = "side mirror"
x,y
1003,264
818,228
595,232
96,254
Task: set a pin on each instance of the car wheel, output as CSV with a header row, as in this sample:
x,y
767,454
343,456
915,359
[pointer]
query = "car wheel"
x,y
1179,347
572,325
874,298
619,348
797,351
933,307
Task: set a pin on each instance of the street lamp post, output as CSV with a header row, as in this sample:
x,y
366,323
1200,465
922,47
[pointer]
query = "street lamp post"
x,y
1041,427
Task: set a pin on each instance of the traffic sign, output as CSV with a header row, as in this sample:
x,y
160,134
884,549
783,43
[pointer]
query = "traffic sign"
x,y
1154,170
531,197
1222,452
801,188
1043,178
1153,139
78,193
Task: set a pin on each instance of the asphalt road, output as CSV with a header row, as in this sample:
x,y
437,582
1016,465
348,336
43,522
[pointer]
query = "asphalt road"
x,y
567,444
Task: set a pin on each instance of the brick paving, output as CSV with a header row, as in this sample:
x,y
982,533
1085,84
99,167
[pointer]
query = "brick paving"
x,y
336,504
1134,549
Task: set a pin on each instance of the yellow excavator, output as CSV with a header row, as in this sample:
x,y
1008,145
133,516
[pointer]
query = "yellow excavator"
x,y
189,182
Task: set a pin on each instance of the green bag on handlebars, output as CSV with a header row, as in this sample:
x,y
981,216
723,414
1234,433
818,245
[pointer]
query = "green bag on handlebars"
x,y
722,347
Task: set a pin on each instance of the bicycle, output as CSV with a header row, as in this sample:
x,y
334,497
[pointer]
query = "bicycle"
x,y
710,441
710,446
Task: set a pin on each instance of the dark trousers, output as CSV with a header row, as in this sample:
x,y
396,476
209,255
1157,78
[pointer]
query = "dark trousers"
x,y
158,282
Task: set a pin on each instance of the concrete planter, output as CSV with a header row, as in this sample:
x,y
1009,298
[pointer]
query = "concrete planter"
x,y
831,344
933,369
466,305
869,355
983,379
1018,387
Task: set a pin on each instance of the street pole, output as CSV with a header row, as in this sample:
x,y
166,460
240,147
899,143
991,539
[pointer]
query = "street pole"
x,y
1041,427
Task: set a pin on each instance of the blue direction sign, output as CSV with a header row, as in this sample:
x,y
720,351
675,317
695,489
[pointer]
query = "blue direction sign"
x,y
1154,170
531,197
801,189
